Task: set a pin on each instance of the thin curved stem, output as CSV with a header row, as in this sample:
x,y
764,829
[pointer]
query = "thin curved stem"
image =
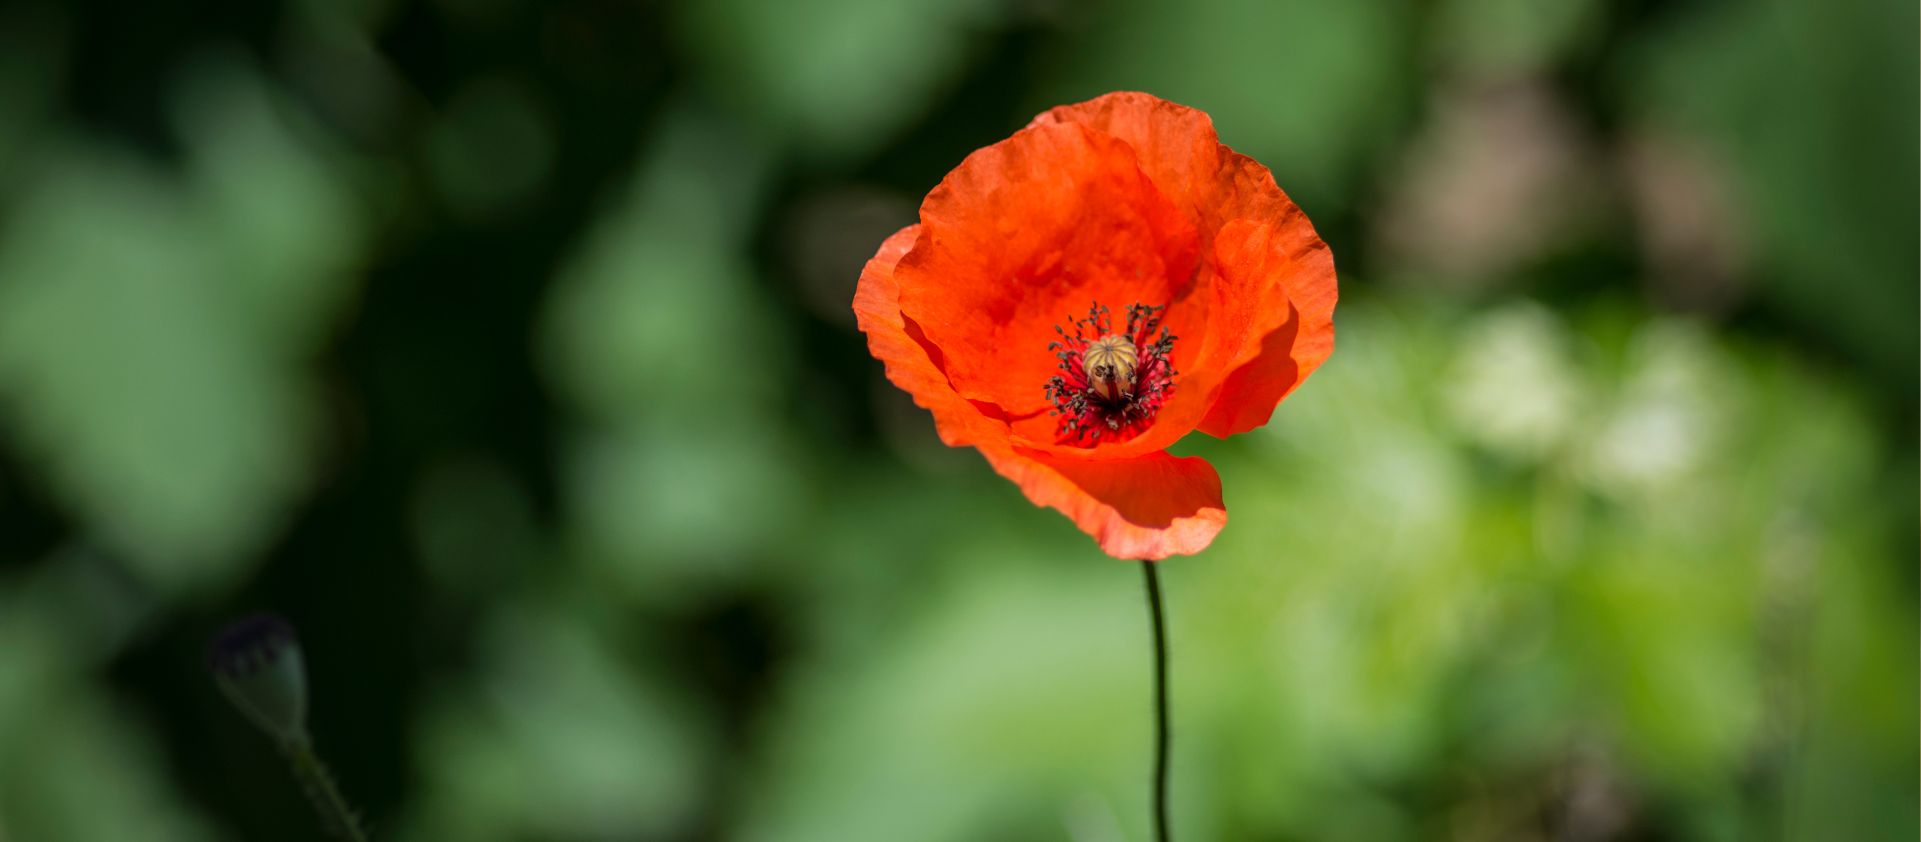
x,y
339,818
1162,734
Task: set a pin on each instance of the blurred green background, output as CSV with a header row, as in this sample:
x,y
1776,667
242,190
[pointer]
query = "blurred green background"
x,y
505,348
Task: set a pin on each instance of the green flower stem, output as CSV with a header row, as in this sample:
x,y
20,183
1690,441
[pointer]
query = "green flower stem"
x,y
1161,731
319,785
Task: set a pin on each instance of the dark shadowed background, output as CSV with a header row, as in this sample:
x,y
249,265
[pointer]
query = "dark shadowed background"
x,y
505,348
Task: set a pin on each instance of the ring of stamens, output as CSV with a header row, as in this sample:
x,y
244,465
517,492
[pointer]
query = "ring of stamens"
x,y
1111,383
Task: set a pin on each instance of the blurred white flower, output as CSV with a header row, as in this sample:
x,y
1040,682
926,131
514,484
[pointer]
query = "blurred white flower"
x,y
1514,388
1660,430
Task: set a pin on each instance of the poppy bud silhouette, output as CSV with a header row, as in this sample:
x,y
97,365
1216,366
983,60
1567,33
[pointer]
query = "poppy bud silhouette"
x,y
259,666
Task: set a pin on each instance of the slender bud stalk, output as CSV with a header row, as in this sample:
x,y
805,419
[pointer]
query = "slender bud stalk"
x,y
339,817
259,666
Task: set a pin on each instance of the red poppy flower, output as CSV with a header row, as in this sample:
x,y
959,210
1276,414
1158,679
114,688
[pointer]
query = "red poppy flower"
x,y
1079,296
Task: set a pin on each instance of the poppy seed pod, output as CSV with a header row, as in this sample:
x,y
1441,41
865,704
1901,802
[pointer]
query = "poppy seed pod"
x,y
258,665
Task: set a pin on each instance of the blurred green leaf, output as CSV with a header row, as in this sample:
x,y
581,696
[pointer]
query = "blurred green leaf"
x,y
1506,38
152,331
836,77
80,765
558,737
682,470
1310,89
1827,184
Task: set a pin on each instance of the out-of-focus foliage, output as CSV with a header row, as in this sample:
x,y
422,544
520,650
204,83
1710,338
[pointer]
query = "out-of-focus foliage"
x,y
143,307
1825,185
504,347
1315,89
834,77
1635,601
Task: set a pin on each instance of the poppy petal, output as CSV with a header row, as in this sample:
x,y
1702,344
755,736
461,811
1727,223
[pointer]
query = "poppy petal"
x,y
1272,319
1287,274
1023,236
1181,153
1147,508
912,363
1268,303
1125,199
1177,146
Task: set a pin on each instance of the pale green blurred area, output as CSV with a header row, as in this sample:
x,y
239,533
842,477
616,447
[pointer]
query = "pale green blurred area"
x,y
143,308
505,348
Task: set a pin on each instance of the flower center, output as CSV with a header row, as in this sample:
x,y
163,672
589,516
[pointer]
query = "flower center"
x,y
1112,383
1109,363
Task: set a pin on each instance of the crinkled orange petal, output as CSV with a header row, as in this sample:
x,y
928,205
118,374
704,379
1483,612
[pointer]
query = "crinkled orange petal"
x,y
1148,508
1283,338
911,363
1289,271
1120,200
1023,236
1179,151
